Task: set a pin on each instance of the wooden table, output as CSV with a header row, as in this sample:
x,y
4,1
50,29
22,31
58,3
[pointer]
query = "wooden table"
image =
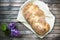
x,y
8,13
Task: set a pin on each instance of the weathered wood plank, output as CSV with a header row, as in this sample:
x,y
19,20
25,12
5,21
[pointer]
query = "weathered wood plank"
x,y
11,4
57,21
9,12
8,16
52,1
46,1
56,5
55,31
46,38
36,38
57,16
8,20
56,12
8,8
56,8
57,24
57,27
12,0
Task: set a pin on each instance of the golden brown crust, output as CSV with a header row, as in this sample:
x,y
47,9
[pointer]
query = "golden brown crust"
x,y
36,18
27,6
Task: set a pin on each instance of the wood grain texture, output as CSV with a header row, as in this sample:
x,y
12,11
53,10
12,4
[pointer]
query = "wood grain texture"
x,y
8,13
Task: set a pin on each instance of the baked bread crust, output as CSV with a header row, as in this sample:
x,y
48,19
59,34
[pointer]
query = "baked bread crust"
x,y
36,18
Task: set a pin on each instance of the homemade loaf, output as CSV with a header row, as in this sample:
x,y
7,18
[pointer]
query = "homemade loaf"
x,y
36,18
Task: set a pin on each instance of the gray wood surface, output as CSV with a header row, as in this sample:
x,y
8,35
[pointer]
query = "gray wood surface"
x,y
8,13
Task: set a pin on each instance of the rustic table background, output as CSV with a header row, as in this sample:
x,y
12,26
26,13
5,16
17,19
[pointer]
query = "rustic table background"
x,y
9,11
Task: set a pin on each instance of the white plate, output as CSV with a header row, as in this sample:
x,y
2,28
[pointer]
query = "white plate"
x,y
50,19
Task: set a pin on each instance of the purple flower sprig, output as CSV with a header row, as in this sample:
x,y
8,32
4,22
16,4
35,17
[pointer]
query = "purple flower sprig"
x,y
12,28
15,32
12,25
